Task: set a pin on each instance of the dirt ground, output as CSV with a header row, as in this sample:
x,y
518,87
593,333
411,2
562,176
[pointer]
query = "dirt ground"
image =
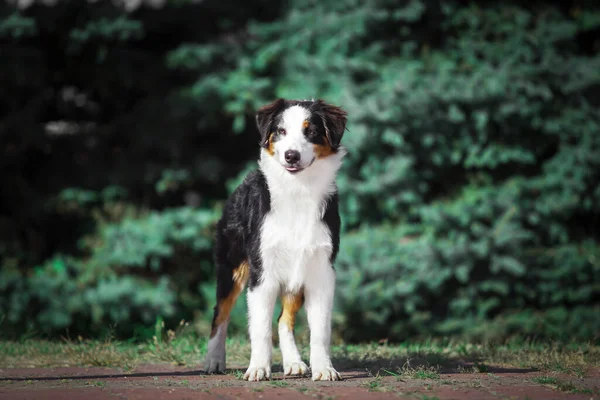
x,y
157,382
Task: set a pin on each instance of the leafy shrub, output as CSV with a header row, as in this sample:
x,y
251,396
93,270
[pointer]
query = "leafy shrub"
x,y
468,268
139,269
469,196
473,165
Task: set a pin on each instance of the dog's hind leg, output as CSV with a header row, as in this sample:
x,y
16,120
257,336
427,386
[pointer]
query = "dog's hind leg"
x,y
230,283
292,362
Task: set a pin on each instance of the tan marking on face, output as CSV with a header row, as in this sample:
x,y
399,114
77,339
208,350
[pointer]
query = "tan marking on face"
x,y
290,305
305,124
323,150
270,147
239,277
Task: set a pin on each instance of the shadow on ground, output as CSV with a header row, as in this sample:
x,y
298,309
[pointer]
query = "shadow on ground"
x,y
358,368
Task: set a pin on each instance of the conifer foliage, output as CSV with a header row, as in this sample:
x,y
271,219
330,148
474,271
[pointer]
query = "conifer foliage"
x,y
470,197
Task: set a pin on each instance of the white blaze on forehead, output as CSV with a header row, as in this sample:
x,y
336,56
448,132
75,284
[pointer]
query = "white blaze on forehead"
x,y
292,120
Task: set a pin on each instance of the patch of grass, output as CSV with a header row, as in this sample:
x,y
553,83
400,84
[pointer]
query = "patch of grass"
x,y
394,374
426,374
569,387
419,372
426,397
573,359
281,384
480,368
373,385
560,385
545,380
170,345
376,385
183,346
237,373
475,384
100,354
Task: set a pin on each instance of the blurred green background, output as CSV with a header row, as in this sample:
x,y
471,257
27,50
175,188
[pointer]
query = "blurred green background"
x,y
470,197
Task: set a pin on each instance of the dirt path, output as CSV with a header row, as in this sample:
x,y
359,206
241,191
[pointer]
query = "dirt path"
x,y
156,382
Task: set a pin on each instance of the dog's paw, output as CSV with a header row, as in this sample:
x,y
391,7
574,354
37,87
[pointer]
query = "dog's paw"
x,y
294,368
214,365
258,374
325,373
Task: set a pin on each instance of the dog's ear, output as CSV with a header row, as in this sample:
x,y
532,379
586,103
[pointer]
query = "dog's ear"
x,y
265,116
334,120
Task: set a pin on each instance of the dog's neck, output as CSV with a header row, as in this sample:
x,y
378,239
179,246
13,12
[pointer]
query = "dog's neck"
x,y
315,183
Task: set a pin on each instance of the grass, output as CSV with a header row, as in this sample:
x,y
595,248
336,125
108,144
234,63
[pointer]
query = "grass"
x,y
411,360
281,384
546,380
373,385
561,385
419,372
376,384
237,373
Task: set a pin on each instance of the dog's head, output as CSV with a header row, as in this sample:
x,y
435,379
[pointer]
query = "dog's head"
x,y
296,133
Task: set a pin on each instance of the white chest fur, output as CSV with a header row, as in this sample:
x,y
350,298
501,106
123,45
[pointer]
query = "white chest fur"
x,y
293,235
292,238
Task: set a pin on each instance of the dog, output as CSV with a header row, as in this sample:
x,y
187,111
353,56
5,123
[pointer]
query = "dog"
x,y
279,235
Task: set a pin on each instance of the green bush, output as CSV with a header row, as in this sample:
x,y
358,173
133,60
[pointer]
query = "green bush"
x,y
139,269
474,160
468,267
469,197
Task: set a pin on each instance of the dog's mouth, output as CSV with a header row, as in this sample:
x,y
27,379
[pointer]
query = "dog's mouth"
x,y
294,169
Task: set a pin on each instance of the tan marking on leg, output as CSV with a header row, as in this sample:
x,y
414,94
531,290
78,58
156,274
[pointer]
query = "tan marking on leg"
x,y
240,274
239,277
290,305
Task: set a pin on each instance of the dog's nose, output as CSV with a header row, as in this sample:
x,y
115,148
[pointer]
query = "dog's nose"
x,y
292,156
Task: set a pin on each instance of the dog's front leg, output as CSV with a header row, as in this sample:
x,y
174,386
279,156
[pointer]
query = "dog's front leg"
x,y
261,302
319,291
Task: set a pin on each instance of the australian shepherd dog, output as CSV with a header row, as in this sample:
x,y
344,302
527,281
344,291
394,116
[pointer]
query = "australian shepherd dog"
x,y
279,235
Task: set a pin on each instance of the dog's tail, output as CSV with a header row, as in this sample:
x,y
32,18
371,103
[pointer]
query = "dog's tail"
x,y
231,280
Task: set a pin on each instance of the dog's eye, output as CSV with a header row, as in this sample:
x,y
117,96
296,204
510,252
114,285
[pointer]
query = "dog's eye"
x,y
280,131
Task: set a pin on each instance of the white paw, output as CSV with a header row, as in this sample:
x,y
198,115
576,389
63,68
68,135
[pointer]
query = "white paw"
x,y
258,374
325,374
294,368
